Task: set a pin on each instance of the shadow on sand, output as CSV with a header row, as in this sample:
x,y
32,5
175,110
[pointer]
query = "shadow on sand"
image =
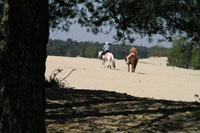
x,y
73,110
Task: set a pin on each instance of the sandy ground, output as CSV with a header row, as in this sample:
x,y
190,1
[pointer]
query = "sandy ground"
x,y
152,78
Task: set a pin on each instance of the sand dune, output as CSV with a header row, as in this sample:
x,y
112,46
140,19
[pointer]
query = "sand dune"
x,y
152,78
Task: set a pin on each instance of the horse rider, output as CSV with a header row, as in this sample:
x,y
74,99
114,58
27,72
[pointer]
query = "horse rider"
x,y
132,51
106,49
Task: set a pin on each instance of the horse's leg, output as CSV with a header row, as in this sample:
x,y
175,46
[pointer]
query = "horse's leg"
x,y
136,61
133,67
113,64
103,61
109,64
128,67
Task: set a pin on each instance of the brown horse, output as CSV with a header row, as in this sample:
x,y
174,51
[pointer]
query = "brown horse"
x,y
132,61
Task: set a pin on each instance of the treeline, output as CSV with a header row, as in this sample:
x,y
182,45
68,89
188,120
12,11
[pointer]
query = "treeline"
x,y
184,54
72,48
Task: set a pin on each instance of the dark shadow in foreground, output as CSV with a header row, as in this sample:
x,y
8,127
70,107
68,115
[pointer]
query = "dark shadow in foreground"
x,y
73,110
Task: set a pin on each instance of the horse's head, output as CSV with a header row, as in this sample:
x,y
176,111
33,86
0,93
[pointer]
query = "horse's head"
x,y
99,54
125,57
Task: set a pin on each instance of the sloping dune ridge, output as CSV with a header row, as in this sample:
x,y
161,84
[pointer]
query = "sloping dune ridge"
x,y
152,78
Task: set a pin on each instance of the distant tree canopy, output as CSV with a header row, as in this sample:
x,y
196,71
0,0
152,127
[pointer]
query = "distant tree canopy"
x,y
89,49
158,50
91,52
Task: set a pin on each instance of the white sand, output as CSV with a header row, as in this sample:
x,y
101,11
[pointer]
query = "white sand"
x,y
152,77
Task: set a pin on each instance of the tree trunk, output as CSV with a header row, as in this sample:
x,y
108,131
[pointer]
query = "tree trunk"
x,y
25,34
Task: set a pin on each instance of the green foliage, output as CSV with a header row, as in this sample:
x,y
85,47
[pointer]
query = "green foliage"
x,y
158,51
91,52
89,49
183,54
58,49
119,50
195,61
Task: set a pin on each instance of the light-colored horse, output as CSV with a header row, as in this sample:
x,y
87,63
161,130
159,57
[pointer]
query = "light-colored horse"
x,y
109,57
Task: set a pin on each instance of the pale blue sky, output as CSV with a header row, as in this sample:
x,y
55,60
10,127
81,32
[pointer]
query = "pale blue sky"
x,y
80,34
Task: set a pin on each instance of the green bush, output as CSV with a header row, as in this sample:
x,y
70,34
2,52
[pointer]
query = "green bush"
x,y
195,61
180,53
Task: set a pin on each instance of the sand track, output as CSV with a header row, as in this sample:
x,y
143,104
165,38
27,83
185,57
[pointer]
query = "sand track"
x,y
152,78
